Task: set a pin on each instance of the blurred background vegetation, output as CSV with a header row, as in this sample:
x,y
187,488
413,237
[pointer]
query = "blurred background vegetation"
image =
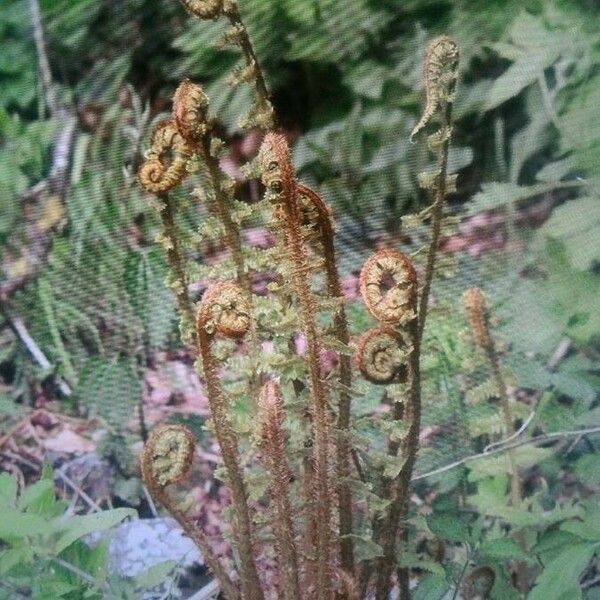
x,y
79,273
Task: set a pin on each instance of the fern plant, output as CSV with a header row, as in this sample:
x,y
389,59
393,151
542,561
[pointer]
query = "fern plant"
x,y
292,455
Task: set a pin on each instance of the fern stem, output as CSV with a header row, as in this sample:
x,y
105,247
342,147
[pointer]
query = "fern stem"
x,y
515,482
227,438
275,459
320,408
340,330
176,261
201,540
400,486
232,232
233,242
233,14
437,210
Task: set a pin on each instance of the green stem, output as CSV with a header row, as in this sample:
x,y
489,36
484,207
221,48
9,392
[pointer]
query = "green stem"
x,y
176,262
437,211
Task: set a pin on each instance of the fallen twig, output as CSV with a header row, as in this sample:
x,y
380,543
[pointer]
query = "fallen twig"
x,y
208,591
534,440
18,328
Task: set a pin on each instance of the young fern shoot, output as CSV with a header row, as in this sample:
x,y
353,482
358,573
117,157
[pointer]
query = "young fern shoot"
x,y
278,177
167,459
340,330
478,316
224,311
440,73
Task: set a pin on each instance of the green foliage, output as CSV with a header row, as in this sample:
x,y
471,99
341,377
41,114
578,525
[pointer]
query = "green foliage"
x,y
45,554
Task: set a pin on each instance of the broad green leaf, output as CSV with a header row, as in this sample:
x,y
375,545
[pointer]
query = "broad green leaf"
x,y
8,407
576,224
586,530
412,561
544,310
11,558
38,498
560,578
448,527
495,195
552,542
538,518
8,490
587,469
503,548
532,138
78,526
522,73
110,389
431,587
16,524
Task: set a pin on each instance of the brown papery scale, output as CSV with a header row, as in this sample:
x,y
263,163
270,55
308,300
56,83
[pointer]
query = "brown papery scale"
x,y
388,285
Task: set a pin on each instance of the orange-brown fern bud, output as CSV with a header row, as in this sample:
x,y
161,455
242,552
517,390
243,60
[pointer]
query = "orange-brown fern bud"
x,y
277,171
224,309
204,9
167,456
190,107
381,356
167,159
477,315
440,72
388,285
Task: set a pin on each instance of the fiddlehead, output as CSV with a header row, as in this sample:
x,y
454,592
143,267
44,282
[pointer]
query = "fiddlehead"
x,y
381,356
388,287
440,72
204,9
224,310
166,162
275,459
190,108
168,455
167,459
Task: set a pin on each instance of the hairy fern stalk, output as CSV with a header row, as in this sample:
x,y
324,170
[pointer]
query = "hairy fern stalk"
x,y
306,518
